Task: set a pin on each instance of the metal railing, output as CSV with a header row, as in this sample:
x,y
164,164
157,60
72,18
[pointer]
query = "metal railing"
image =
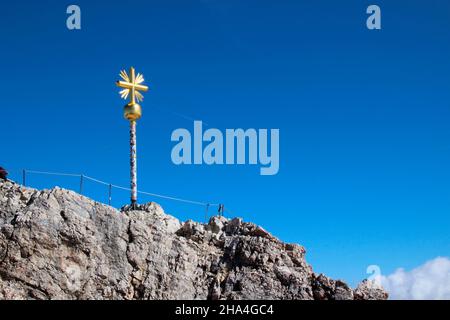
x,y
111,186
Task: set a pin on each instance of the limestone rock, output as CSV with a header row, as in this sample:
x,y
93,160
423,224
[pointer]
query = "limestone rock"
x,y
57,244
370,290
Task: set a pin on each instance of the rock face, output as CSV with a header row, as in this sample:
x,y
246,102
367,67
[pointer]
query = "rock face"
x,y
57,244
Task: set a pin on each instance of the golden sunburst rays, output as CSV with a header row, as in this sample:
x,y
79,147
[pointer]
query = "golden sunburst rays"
x,y
123,74
139,96
124,93
139,78
131,84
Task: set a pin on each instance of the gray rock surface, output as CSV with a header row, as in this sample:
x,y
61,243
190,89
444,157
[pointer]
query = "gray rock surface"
x,y
57,244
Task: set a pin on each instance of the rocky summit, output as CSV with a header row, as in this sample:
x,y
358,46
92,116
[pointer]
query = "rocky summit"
x,y
57,244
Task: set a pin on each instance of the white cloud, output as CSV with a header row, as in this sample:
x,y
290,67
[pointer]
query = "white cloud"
x,y
430,281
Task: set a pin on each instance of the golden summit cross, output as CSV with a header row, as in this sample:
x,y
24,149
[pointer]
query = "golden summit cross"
x,y
133,84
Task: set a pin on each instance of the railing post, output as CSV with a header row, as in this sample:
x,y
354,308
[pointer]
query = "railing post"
x,y
221,209
110,194
206,213
81,184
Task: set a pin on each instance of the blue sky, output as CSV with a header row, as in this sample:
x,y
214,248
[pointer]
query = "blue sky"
x,y
363,115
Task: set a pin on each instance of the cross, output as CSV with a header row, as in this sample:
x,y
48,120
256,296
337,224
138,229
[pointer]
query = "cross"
x,y
132,84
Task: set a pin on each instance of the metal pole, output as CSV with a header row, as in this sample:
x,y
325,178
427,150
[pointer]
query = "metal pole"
x,y
133,165
110,194
81,184
206,213
23,177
